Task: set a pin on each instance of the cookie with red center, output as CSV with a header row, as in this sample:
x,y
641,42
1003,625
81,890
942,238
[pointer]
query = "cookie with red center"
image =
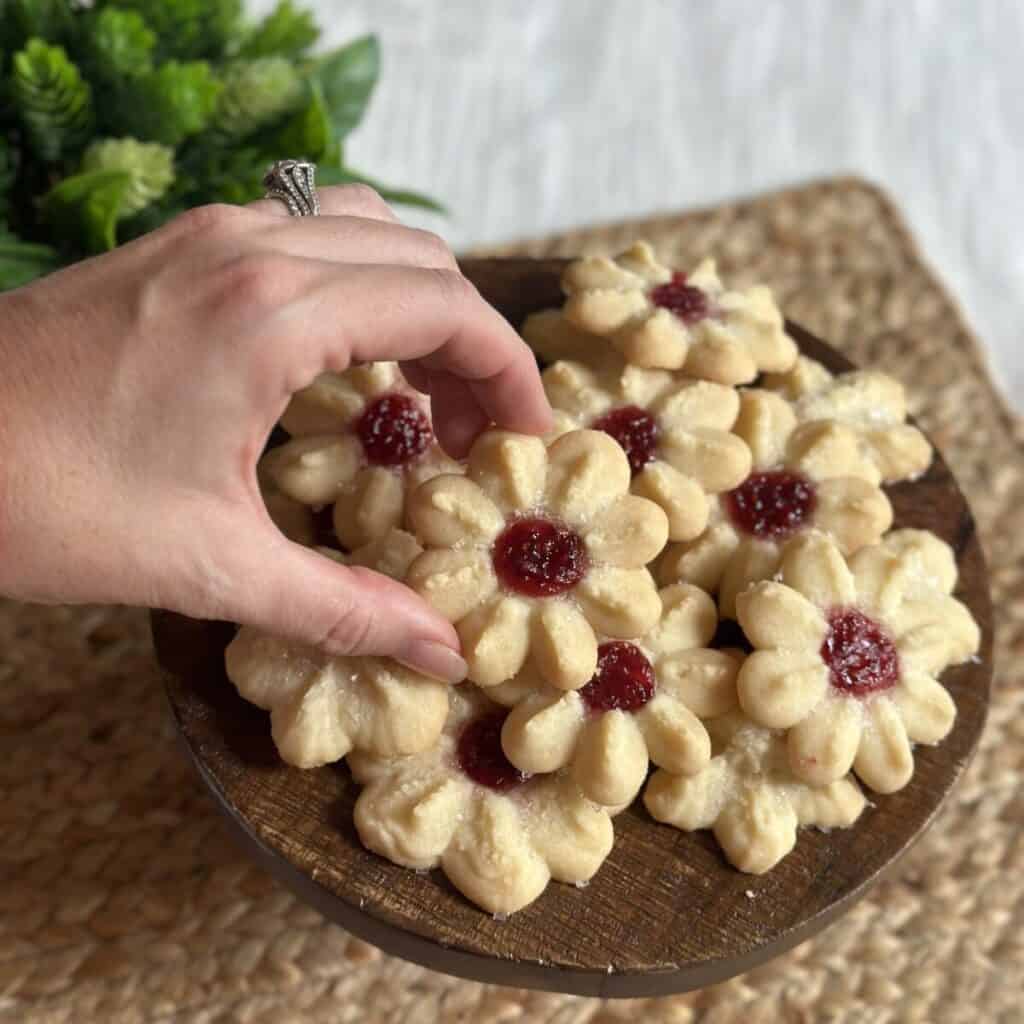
x,y
662,318
644,702
676,433
499,834
361,440
535,551
805,476
847,654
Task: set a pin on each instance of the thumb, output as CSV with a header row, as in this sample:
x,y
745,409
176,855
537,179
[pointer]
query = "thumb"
x,y
300,594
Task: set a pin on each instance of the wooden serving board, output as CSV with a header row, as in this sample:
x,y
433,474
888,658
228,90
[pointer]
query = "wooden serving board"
x,y
666,913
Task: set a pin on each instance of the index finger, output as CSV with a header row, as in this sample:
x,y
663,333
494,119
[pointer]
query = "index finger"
x,y
431,316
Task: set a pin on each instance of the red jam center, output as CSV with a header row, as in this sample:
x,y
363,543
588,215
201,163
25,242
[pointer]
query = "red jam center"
x,y
481,757
771,505
635,430
624,679
539,558
861,657
394,430
687,301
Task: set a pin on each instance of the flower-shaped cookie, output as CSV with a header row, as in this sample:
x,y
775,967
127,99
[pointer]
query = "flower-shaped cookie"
x,y
870,404
322,707
499,835
750,797
536,550
643,704
658,318
847,655
360,441
675,433
805,476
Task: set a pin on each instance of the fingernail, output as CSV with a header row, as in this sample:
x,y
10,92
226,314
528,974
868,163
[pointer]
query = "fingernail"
x,y
436,660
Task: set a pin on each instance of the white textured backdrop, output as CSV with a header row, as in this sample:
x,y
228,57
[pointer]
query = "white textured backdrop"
x,y
534,115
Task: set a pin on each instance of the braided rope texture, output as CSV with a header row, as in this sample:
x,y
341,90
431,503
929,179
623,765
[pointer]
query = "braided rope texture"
x,y
124,902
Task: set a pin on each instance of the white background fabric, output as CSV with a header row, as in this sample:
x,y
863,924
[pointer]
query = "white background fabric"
x,y
527,116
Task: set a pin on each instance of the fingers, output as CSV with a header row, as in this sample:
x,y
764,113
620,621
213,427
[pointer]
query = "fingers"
x,y
461,419
432,317
336,201
347,239
313,600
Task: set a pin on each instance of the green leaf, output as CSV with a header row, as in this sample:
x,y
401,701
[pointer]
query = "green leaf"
x,y
288,31
21,262
21,20
403,196
150,165
54,101
87,207
171,103
189,29
256,95
346,78
117,44
308,133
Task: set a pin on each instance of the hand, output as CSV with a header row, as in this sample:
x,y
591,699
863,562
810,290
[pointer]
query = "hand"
x,y
139,389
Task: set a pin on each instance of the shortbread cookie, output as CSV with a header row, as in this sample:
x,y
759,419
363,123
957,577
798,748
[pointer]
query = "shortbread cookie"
x,y
657,318
812,475
535,551
870,404
750,797
360,441
676,433
847,655
644,703
322,707
498,834
291,517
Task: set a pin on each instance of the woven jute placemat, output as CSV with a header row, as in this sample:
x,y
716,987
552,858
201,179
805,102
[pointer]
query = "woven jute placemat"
x,y
122,900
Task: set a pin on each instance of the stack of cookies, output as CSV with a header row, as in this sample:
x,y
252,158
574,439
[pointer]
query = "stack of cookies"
x,y
695,573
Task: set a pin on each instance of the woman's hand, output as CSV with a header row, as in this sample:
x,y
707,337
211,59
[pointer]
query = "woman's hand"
x,y
138,390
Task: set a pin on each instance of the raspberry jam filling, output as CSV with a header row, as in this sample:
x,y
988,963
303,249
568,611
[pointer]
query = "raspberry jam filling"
x,y
481,757
636,432
539,558
394,430
771,505
624,679
860,655
687,301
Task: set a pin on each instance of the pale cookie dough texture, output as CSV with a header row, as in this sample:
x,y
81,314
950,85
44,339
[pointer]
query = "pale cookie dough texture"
x,y
847,655
663,319
806,475
870,404
645,703
499,844
323,707
562,514
749,796
361,441
676,432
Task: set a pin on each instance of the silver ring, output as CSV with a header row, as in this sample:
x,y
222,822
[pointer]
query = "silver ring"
x,y
294,183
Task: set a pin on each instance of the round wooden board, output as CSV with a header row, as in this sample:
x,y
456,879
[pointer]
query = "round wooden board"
x,y
665,913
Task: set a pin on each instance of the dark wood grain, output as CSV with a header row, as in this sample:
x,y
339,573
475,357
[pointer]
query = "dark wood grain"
x,y
665,913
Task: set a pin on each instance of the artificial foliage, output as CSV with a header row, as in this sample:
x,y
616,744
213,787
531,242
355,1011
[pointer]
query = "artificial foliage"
x,y
115,115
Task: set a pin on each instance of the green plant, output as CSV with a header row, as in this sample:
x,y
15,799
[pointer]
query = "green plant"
x,y
117,115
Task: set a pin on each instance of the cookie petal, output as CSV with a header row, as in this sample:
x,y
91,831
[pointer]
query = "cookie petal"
x,y
370,507
765,422
689,802
756,829
314,728
900,451
688,620
610,763
675,738
885,762
814,565
781,688
451,510
572,834
658,340
703,680
541,733
776,616
509,468
681,498
630,532
698,404
327,406
622,603
837,805
717,460
924,704
495,639
701,562
853,512
564,646
313,469
822,746
453,581
587,471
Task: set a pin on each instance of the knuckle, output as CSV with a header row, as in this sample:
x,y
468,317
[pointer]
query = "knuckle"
x,y
213,219
350,629
436,250
365,199
456,289
254,281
